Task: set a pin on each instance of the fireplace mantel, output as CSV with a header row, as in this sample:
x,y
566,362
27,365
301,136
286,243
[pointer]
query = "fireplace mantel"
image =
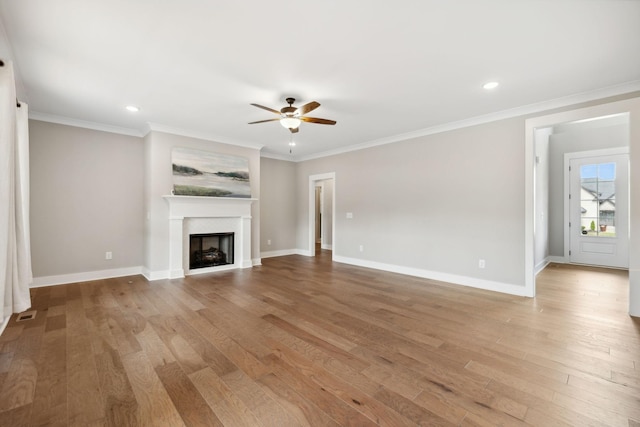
x,y
207,207
183,208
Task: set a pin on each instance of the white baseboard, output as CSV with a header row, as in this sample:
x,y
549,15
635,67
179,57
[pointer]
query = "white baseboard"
x,y
84,276
327,247
285,252
557,259
155,275
473,282
178,274
540,266
548,260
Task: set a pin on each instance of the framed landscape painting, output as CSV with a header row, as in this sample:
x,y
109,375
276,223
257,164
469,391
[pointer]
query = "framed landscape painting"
x,y
202,173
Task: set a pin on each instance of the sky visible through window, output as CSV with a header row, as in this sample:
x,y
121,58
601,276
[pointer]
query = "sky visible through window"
x,y
603,171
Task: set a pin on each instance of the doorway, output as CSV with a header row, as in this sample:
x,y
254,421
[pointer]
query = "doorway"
x,y
318,215
321,213
533,216
597,208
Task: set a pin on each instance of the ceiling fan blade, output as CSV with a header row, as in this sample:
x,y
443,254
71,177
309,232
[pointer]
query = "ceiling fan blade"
x,y
264,121
293,130
266,108
307,108
319,121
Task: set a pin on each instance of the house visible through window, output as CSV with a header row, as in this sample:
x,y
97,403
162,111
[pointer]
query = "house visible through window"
x,y
598,200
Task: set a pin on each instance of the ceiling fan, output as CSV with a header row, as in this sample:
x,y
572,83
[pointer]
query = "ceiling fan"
x,y
290,117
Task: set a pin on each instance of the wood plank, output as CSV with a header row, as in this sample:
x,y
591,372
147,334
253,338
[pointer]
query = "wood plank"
x,y
331,350
188,358
346,391
19,385
306,412
49,404
120,404
84,400
305,341
154,404
240,357
207,351
16,417
192,407
227,406
18,388
331,404
414,412
261,403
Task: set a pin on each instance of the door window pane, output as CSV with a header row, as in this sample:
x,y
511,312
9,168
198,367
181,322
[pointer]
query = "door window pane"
x,y
598,200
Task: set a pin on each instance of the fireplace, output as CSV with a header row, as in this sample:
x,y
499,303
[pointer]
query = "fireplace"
x,y
191,215
210,250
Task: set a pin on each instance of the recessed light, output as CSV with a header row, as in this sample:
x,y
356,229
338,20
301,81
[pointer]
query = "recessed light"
x,y
490,85
132,108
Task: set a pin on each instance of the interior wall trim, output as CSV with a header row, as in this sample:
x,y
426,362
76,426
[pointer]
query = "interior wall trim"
x,y
87,276
489,285
567,101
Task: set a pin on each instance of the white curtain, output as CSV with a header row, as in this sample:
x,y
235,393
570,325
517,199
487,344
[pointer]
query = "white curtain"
x,y
15,253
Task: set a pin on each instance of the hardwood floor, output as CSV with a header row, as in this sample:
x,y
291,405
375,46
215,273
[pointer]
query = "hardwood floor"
x,y
301,341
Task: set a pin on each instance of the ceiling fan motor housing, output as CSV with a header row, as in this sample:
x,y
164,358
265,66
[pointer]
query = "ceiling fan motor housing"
x,y
288,111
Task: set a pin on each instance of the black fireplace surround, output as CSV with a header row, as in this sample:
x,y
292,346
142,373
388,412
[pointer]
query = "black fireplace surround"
x,y
210,250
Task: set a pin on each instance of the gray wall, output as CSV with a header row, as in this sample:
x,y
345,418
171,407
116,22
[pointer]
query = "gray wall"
x,y
573,139
278,212
436,203
93,192
86,199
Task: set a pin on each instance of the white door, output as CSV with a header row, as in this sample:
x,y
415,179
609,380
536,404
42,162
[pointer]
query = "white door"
x,y
599,210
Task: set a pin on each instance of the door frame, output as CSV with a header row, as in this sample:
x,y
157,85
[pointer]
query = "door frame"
x,y
628,106
317,218
313,179
567,189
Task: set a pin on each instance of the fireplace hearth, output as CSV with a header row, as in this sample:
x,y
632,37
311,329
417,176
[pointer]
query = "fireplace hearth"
x,y
210,250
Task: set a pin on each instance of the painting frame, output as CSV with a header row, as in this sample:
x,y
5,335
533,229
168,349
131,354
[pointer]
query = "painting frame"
x,y
203,173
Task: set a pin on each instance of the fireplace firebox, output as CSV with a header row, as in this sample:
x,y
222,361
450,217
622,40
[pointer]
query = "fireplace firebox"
x,y
210,250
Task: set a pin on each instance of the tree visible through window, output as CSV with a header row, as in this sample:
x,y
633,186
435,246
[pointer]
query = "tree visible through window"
x,y
598,199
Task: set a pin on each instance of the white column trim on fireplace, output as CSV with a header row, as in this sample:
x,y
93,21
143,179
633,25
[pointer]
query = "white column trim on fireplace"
x,y
192,207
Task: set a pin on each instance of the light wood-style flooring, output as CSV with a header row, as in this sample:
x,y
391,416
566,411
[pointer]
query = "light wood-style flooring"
x,y
304,341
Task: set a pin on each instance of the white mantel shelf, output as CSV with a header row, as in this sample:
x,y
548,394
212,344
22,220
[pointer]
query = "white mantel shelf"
x,y
192,208
198,206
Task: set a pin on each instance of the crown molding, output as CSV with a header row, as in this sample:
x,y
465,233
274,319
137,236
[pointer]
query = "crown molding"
x,y
275,156
62,120
148,127
525,110
156,127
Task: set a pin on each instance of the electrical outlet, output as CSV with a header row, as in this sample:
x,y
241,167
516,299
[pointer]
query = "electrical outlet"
x,y
481,263
349,215
108,255
269,242
361,248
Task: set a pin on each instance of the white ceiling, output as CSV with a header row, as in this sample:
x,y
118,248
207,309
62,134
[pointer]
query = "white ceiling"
x,y
383,70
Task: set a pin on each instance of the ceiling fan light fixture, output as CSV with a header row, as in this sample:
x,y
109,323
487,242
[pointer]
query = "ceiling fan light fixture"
x,y
290,122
